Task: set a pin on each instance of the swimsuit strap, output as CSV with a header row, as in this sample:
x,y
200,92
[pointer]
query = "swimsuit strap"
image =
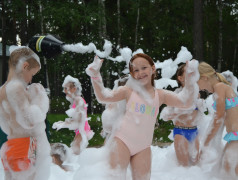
x,y
74,105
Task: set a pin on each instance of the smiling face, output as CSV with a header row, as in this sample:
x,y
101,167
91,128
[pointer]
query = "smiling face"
x,y
142,70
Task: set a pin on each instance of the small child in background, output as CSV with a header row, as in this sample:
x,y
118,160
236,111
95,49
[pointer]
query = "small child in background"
x,y
77,113
59,153
111,114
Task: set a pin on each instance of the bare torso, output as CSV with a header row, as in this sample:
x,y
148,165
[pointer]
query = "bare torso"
x,y
231,115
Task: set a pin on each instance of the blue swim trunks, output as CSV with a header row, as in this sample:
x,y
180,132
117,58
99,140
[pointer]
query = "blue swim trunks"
x,y
232,136
190,133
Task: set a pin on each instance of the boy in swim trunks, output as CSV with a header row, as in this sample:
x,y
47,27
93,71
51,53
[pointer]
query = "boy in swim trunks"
x,y
23,108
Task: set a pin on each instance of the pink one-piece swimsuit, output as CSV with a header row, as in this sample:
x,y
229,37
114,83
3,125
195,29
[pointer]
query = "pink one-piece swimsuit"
x,y
87,128
137,126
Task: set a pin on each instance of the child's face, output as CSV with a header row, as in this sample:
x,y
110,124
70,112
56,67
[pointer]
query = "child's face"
x,y
142,70
69,90
204,83
29,73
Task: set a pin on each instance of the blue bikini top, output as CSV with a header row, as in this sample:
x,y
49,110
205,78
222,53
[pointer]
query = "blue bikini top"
x,y
230,103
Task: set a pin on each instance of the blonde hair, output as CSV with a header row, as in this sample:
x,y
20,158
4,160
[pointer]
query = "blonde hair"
x,y
207,70
20,53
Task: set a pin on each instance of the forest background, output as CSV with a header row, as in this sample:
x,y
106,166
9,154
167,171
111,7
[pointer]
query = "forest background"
x,y
208,28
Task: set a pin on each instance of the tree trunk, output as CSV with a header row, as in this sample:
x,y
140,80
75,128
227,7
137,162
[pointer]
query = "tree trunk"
x,y
46,78
137,24
119,23
220,6
102,24
198,29
103,35
23,23
235,52
235,59
4,41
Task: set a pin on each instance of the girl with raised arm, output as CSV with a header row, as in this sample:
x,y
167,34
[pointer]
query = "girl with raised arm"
x,y
132,141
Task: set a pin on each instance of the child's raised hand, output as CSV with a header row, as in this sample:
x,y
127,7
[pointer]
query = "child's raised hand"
x,y
192,74
93,69
58,125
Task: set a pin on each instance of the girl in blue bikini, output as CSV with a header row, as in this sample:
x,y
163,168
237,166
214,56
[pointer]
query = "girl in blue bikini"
x,y
185,132
226,106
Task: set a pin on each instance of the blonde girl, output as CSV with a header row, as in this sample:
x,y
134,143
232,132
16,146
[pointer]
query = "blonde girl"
x,y
226,106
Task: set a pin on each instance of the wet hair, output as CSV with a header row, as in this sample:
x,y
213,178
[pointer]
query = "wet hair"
x,y
122,80
72,83
207,70
146,57
180,72
58,150
24,52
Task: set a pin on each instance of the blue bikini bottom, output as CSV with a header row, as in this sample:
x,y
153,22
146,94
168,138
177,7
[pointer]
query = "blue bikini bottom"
x,y
190,133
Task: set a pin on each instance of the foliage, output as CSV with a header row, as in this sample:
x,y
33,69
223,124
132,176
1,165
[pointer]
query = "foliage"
x,y
162,131
66,136
163,27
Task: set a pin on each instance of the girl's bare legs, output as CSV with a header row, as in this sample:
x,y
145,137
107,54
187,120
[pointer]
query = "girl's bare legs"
x,y
119,159
181,149
7,175
230,156
76,144
196,149
141,165
120,154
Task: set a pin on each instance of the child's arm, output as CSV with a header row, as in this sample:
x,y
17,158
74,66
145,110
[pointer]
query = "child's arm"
x,y
219,114
27,114
71,125
167,113
38,96
187,97
104,95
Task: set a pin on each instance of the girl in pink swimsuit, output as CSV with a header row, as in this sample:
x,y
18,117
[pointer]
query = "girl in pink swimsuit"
x,y
77,113
132,141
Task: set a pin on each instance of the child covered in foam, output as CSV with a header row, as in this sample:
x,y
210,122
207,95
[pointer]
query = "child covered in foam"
x,y
60,153
113,112
23,108
77,113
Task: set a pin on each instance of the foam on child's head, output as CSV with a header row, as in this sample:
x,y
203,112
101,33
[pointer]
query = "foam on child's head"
x,y
59,149
21,54
75,81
